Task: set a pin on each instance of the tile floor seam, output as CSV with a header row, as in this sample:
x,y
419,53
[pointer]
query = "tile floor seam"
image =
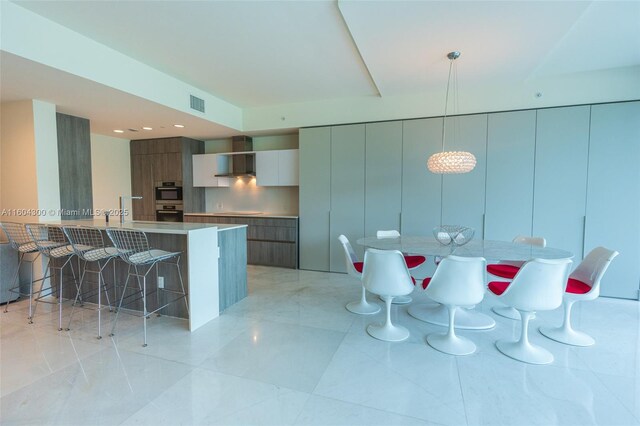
x,y
464,403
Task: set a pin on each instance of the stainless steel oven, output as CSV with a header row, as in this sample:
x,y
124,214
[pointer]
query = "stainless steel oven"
x,y
169,191
169,212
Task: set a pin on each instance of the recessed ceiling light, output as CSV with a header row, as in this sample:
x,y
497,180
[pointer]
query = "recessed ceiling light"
x,y
147,128
118,131
180,126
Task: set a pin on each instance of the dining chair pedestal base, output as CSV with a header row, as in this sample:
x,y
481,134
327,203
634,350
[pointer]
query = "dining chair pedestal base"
x,y
388,333
363,308
525,352
452,345
507,312
568,336
400,300
438,315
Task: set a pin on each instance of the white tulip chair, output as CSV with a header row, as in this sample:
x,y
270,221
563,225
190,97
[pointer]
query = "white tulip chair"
x,y
538,286
583,284
354,268
458,281
509,268
385,273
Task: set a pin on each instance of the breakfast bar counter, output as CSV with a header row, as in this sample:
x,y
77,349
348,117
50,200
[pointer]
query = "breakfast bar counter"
x,y
213,263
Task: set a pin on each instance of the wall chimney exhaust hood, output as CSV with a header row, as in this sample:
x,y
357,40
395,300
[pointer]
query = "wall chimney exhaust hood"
x,y
242,157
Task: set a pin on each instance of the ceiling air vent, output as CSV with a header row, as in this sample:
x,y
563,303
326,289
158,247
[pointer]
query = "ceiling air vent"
x,y
197,103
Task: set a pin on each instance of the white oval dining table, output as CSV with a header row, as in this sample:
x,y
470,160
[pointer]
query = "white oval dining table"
x,y
489,249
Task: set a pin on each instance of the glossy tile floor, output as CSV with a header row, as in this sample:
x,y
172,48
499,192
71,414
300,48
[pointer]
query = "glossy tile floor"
x,y
291,353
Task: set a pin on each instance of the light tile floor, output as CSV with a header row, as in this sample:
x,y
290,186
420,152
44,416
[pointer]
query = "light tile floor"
x,y
290,353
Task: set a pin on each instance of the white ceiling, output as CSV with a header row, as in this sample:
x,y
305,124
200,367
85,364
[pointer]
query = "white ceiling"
x,y
260,53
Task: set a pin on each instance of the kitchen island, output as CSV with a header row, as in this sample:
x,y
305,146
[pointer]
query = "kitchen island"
x,y
213,264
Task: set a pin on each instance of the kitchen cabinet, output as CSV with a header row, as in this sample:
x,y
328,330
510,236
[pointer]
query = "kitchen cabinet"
x,y
162,160
383,178
277,168
510,162
613,194
315,197
420,187
271,241
347,191
206,166
463,194
559,198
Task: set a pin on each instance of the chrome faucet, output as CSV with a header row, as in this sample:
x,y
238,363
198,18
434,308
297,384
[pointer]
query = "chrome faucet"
x,y
122,198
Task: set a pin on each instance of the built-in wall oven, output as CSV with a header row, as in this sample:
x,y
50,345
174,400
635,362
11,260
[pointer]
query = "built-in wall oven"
x,y
169,212
169,204
169,191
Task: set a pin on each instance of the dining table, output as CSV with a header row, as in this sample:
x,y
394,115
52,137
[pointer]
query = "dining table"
x,y
491,250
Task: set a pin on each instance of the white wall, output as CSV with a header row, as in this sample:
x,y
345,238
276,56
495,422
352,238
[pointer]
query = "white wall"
x,y
46,149
29,160
110,172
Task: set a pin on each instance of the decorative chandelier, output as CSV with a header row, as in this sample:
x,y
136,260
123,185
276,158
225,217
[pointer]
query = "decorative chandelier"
x,y
448,162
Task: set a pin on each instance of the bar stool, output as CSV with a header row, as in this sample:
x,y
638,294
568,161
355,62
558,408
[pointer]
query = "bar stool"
x,y
20,241
88,244
133,248
52,243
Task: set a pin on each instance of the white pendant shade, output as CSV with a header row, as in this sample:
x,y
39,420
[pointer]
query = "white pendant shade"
x,y
450,162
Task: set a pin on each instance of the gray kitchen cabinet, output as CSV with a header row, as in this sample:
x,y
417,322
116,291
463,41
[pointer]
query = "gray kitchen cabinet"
x,y
383,180
559,199
420,188
613,194
277,168
270,241
510,164
347,191
315,197
463,194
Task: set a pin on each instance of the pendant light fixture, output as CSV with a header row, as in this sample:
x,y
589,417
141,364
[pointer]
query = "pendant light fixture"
x,y
449,162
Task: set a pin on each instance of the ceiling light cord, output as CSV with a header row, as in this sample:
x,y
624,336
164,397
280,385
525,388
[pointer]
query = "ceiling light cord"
x,y
446,101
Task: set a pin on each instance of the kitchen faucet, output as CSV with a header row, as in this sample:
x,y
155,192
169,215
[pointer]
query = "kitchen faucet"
x,y
122,198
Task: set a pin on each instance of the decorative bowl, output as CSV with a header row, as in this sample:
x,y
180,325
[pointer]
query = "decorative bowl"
x,y
454,235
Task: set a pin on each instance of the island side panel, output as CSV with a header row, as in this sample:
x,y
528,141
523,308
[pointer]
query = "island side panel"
x,y
232,266
202,246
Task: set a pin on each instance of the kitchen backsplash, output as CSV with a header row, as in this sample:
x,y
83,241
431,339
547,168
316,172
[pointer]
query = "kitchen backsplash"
x,y
244,195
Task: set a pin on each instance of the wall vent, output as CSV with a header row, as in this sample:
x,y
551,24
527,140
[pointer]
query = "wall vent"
x,y
197,103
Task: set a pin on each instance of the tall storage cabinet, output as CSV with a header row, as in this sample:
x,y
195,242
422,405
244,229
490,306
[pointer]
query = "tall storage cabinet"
x,y
383,176
613,194
420,188
315,197
166,159
511,138
347,191
463,194
562,150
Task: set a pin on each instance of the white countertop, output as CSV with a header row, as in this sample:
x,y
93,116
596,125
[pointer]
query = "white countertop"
x,y
152,227
245,214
